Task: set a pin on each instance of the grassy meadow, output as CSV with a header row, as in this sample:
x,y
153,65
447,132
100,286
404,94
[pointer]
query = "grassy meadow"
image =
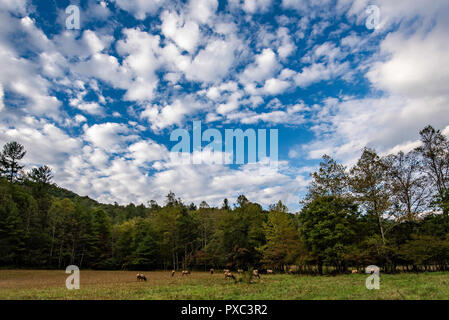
x,y
50,284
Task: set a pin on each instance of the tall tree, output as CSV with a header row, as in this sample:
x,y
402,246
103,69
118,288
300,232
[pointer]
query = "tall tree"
x,y
328,226
12,153
225,205
282,238
330,180
368,180
435,155
2,167
409,187
41,175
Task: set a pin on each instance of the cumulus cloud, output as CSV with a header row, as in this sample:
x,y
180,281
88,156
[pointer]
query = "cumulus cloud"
x,y
264,66
2,94
109,136
185,33
202,10
412,73
212,63
253,6
140,8
95,104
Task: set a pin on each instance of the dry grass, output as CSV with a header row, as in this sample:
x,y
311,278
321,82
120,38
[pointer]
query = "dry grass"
x,y
50,284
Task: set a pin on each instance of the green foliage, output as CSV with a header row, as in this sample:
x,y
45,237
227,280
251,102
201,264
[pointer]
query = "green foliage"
x,y
9,161
282,239
384,211
328,226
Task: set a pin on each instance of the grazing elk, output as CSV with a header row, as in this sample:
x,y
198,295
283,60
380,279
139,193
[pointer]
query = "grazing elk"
x,y
141,277
172,273
229,275
256,273
211,270
269,271
185,273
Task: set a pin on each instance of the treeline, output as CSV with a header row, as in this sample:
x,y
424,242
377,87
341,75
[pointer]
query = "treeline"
x,y
389,211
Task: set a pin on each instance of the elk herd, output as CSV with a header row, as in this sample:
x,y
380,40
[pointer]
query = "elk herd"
x,y
227,273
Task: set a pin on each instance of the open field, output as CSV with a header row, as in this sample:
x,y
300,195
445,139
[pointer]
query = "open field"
x,y
50,284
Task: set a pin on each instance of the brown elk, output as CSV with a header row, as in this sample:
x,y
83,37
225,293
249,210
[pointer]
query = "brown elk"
x,y
269,271
185,272
211,270
141,277
173,273
256,273
354,271
228,274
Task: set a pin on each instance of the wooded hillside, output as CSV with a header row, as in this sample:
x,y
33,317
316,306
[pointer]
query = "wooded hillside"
x,y
388,211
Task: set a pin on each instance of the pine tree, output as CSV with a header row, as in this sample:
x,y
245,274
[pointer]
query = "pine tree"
x,y
12,153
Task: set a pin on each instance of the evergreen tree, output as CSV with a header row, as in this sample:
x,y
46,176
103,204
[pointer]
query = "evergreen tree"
x,y
12,153
282,247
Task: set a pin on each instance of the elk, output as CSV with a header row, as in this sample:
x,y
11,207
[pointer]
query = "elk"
x,y
173,273
228,274
226,271
185,272
256,273
211,270
354,271
141,277
269,271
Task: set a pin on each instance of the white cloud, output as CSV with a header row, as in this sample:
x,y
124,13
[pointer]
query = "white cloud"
x,y
418,65
275,86
109,136
161,117
15,6
140,8
45,142
412,71
202,10
292,115
91,108
212,63
21,76
185,33
253,6
147,151
2,94
319,72
80,118
264,67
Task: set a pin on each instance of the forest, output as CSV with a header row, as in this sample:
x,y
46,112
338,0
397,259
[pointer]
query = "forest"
x,y
390,211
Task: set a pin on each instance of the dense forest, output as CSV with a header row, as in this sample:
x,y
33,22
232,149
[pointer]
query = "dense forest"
x,y
390,211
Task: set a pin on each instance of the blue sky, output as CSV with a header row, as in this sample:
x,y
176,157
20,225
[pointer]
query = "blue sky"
x,y
98,104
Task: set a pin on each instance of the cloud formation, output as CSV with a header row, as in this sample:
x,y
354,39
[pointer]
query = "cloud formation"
x,y
98,104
